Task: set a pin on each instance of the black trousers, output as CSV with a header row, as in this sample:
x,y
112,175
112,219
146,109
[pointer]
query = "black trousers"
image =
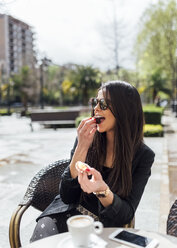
x,y
51,224
46,226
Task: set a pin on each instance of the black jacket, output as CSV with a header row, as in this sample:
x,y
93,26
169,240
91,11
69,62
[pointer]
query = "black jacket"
x,y
122,210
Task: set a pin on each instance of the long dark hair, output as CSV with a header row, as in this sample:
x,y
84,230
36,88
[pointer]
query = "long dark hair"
x,y
127,109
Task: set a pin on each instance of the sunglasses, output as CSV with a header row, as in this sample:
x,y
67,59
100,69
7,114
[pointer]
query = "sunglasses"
x,y
102,103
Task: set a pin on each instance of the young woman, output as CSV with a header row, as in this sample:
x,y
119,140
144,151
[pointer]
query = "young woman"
x,y
120,163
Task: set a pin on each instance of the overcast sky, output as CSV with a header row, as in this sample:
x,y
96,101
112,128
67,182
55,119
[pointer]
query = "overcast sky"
x,y
74,30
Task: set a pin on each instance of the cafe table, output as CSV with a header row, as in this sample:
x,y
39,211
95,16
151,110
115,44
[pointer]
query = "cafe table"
x,y
57,241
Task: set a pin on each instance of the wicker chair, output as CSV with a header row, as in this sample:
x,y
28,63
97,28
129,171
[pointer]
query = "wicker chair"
x,y
172,220
40,193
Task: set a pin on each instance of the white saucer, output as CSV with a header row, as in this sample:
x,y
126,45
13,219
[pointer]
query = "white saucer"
x,y
66,242
96,241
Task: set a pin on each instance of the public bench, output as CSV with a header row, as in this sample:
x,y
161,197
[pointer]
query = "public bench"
x,y
54,118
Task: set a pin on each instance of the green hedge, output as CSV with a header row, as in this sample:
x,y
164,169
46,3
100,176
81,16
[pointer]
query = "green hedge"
x,y
152,114
4,111
153,130
80,118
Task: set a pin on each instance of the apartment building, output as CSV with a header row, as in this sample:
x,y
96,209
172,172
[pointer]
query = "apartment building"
x,y
16,45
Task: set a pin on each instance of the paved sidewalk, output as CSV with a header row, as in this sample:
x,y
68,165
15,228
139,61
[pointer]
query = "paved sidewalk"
x,y
171,136
169,173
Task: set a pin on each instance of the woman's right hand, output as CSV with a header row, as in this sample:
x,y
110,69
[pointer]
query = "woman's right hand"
x,y
86,132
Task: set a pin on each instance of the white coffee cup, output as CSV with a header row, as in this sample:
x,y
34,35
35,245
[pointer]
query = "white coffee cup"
x,y
81,227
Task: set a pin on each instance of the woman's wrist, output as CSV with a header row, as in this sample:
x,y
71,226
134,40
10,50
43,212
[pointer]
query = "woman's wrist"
x,y
102,193
105,196
108,200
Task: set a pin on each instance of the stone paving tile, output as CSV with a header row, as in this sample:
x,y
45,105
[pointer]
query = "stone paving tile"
x,y
171,137
149,206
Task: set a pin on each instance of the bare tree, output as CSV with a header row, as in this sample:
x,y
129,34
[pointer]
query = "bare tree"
x,y
113,34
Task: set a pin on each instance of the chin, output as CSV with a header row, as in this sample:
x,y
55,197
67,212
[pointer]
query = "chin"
x,y
100,130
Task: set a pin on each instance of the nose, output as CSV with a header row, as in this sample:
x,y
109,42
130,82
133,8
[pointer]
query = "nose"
x,y
97,107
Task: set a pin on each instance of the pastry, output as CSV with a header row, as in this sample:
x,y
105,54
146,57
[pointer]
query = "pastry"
x,y
82,166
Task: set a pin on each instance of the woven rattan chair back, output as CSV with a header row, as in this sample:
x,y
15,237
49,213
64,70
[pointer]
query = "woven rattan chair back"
x,y
45,185
172,220
40,193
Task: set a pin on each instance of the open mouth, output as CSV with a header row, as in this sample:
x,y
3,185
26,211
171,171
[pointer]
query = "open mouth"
x,y
99,119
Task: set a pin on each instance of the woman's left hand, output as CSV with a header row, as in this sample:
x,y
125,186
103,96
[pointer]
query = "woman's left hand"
x,y
95,184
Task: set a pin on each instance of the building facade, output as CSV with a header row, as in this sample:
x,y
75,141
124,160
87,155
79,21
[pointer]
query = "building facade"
x,y
16,45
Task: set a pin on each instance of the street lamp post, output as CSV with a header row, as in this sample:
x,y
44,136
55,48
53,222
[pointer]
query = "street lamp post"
x,y
41,86
9,95
2,79
43,66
